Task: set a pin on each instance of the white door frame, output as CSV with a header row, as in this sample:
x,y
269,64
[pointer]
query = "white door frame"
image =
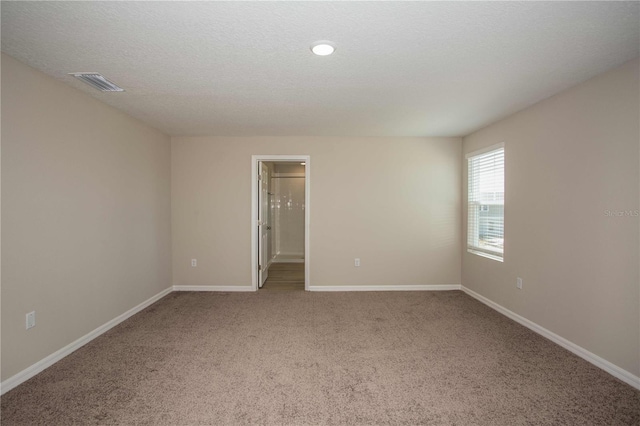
x,y
255,161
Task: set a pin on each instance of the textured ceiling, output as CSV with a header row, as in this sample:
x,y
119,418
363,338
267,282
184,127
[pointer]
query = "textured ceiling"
x,y
400,68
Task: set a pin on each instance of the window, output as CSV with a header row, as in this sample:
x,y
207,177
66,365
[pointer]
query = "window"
x,y
485,220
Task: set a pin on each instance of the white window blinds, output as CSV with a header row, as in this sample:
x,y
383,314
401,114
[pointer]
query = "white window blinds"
x,y
485,220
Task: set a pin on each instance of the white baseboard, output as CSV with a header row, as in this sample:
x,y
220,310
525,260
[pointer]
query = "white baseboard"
x,y
288,258
434,287
44,363
594,359
213,288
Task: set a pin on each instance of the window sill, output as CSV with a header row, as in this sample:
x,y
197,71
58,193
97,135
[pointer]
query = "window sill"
x,y
487,255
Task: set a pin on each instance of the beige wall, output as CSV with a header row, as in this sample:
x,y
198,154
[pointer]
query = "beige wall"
x,y
569,160
85,214
288,168
394,203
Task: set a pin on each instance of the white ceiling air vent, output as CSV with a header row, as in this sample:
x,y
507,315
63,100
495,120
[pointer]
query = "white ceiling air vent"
x,y
98,81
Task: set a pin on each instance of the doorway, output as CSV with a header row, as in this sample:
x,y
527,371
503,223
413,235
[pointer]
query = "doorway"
x,y
280,221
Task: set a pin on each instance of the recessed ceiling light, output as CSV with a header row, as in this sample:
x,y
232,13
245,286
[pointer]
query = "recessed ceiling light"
x,y
303,164
97,81
323,48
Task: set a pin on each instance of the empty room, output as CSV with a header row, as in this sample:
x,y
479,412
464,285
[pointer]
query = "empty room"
x,y
309,213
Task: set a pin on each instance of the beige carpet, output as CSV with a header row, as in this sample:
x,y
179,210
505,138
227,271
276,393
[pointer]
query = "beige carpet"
x,y
435,358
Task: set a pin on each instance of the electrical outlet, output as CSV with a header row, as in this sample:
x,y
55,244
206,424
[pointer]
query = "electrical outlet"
x,y
356,262
194,262
31,319
519,283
